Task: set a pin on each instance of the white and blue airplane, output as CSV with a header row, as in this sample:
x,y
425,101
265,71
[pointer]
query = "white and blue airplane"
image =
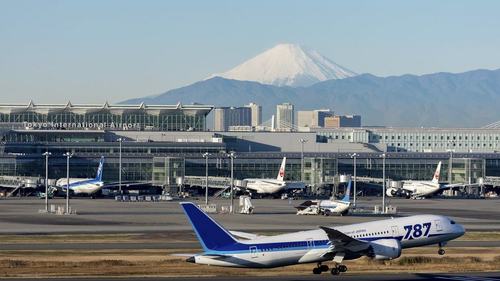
x,y
326,207
380,240
83,186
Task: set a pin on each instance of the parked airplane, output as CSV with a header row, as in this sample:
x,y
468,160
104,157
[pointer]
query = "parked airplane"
x,y
86,186
270,186
326,207
380,240
416,189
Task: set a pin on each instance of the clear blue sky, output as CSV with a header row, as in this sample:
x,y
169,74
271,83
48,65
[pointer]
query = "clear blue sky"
x,y
92,51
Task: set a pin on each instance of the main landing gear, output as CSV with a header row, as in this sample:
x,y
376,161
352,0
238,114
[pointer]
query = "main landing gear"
x,y
441,251
320,268
339,268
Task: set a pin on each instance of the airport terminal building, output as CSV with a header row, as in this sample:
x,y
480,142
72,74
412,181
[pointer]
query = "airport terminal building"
x,y
161,142
418,139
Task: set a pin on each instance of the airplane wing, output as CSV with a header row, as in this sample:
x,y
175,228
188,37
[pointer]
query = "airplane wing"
x,y
451,185
245,235
124,184
341,242
295,185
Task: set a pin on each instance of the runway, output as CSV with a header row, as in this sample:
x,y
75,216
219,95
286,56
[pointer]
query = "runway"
x,y
21,216
478,276
125,228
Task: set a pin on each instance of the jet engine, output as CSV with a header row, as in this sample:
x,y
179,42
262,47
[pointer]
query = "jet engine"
x,y
385,249
391,192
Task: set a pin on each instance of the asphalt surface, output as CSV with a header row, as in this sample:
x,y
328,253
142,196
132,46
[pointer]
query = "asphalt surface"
x,y
479,276
21,216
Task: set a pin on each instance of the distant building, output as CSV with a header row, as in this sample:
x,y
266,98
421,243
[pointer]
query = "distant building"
x,y
256,114
313,118
440,140
340,121
68,116
224,117
285,117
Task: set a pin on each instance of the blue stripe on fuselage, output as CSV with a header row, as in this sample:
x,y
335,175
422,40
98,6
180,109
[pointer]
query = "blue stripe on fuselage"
x,y
237,248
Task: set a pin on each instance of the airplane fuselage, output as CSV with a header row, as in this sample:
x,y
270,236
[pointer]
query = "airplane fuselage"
x,y
265,186
311,246
80,186
420,188
335,206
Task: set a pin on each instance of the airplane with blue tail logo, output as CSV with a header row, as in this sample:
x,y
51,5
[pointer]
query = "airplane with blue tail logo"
x,y
327,207
379,240
83,186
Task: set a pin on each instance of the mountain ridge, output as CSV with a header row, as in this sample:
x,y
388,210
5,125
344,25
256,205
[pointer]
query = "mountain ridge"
x,y
467,99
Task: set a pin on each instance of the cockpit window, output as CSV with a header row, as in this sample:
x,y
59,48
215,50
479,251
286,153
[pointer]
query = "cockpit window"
x,y
452,222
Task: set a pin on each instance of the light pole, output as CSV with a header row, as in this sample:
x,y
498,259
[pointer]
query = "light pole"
x,y
450,164
120,140
232,155
46,154
353,156
383,183
206,154
68,155
302,141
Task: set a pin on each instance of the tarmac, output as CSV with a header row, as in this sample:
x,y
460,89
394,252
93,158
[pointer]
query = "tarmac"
x,y
21,216
166,219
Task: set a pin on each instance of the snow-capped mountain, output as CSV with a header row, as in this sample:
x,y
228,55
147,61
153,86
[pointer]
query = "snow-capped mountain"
x,y
431,100
287,65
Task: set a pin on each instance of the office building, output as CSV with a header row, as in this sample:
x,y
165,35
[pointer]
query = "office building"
x,y
285,117
313,118
256,114
225,117
341,121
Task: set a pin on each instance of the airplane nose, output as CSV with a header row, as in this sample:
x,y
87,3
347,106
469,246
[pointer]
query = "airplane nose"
x,y
191,259
460,229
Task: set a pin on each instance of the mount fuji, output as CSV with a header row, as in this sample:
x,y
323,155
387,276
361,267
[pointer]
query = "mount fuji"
x,y
290,73
287,65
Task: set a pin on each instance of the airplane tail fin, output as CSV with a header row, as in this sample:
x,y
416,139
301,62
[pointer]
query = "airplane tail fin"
x,y
435,178
99,170
281,173
347,192
211,235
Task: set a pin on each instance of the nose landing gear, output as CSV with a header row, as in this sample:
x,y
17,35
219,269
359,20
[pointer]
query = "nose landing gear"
x,y
441,251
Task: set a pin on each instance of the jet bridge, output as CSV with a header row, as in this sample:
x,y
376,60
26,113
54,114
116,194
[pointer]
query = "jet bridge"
x,y
213,182
14,184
